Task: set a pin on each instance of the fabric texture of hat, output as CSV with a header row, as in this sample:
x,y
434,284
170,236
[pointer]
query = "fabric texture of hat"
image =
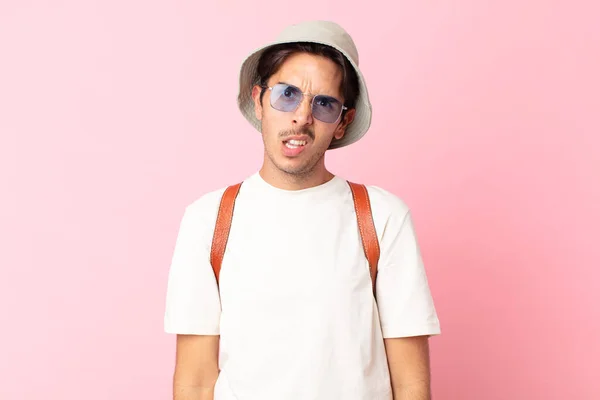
x,y
323,32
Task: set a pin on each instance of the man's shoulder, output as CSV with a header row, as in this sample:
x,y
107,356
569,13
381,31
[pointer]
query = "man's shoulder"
x,y
207,203
386,202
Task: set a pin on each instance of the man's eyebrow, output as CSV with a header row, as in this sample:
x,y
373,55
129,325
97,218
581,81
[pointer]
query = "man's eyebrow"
x,y
289,84
318,94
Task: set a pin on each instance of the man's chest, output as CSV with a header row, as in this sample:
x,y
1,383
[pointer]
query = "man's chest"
x,y
293,258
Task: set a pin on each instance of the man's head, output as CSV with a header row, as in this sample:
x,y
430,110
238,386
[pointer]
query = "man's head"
x,y
306,83
305,98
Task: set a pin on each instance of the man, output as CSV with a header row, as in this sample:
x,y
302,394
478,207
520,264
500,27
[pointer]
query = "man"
x,y
293,314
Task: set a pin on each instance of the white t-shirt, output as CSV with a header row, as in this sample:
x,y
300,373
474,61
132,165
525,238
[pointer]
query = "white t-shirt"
x,y
295,306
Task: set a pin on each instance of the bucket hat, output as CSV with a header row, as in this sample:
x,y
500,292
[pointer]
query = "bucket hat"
x,y
323,32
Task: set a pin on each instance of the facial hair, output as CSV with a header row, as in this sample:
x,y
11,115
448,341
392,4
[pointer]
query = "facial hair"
x,y
306,169
290,132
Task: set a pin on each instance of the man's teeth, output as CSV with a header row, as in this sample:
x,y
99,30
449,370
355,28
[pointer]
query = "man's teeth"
x,y
293,144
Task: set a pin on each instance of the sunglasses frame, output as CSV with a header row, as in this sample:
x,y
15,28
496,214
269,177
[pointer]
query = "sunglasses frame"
x,y
342,109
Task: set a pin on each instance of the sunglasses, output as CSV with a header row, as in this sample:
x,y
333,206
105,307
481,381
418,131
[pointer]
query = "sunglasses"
x,y
287,98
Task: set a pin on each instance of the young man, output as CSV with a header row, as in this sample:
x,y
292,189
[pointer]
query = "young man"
x,y
295,313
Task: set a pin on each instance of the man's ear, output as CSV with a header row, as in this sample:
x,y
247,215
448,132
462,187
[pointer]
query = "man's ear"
x,y
256,94
340,131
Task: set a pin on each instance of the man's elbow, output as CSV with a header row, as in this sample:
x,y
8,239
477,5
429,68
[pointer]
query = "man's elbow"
x,y
413,391
201,375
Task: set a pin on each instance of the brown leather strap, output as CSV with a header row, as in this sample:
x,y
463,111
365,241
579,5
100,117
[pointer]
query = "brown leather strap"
x,y
222,228
366,226
364,216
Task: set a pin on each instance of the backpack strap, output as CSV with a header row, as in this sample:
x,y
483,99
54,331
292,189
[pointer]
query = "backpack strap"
x,y
222,228
366,226
362,206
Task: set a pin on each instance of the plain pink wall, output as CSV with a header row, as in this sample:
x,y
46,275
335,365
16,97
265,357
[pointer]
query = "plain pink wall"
x,y
114,115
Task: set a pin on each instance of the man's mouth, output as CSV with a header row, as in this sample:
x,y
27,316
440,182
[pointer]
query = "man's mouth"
x,y
294,144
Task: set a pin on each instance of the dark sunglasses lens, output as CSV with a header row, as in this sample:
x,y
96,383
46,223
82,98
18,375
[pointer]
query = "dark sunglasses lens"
x,y
285,98
326,109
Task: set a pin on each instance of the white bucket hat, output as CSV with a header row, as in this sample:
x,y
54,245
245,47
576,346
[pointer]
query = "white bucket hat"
x,y
323,32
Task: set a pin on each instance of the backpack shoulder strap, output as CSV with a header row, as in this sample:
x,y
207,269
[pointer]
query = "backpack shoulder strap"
x,y
366,226
222,227
364,216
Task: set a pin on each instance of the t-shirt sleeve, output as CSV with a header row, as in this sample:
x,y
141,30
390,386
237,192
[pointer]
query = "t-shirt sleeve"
x,y
192,301
404,299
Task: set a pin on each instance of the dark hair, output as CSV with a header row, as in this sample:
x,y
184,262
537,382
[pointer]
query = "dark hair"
x,y
272,59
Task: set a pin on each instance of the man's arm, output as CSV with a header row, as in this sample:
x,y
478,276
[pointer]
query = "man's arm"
x,y
408,360
196,367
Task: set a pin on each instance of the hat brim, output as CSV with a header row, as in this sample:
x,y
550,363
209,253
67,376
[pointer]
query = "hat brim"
x,y
249,77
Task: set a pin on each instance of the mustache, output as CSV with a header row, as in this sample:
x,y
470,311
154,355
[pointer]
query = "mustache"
x,y
290,132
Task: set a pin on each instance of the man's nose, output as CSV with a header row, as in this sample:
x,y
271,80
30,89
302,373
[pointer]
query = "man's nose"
x,y
303,114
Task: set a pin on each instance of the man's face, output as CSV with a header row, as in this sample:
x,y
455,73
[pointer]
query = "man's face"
x,y
309,136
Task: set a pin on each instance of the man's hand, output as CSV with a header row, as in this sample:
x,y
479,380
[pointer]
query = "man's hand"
x,y
196,367
408,360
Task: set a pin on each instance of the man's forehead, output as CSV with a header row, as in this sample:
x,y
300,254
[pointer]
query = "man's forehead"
x,y
311,73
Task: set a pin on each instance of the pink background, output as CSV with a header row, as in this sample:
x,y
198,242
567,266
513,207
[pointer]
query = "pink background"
x,y
114,115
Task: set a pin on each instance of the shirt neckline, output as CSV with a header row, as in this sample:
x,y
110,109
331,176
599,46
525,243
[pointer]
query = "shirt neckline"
x,y
322,189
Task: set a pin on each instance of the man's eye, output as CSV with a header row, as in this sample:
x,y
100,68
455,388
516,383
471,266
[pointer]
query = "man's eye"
x,y
324,102
290,92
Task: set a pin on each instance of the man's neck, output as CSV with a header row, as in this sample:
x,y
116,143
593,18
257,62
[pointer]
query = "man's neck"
x,y
285,181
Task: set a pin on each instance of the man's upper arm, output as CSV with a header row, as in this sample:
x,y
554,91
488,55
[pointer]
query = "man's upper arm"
x,y
406,309
404,299
192,302
193,306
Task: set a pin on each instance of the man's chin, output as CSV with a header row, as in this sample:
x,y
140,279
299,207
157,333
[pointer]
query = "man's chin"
x,y
293,166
